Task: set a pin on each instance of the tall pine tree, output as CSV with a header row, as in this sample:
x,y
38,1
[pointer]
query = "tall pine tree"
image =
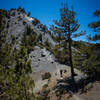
x,y
67,25
88,58
96,27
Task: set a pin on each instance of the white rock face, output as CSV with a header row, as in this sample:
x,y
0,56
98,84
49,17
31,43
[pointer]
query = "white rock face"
x,y
42,60
16,26
29,18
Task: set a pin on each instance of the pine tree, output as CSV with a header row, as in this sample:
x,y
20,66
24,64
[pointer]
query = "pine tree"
x,y
96,27
15,81
88,58
67,26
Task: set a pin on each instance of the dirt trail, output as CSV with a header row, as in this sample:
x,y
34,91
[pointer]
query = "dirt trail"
x,y
75,97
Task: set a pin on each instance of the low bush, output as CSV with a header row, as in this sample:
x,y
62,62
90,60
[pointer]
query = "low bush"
x,y
44,94
47,75
45,86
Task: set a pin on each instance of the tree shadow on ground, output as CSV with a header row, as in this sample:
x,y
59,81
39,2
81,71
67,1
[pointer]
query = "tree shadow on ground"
x,y
66,85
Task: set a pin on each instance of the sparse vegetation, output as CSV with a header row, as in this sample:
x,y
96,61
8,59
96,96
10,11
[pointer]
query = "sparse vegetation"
x,y
24,23
47,45
61,54
35,22
45,86
2,19
40,37
14,71
30,38
46,75
19,18
19,9
13,14
44,94
28,14
15,68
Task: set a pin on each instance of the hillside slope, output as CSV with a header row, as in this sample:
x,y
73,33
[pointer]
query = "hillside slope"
x,y
17,21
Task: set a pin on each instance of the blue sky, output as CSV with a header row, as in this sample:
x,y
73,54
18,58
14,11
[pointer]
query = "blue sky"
x,y
48,10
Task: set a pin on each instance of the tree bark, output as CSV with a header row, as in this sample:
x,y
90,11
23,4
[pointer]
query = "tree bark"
x,y
70,52
71,63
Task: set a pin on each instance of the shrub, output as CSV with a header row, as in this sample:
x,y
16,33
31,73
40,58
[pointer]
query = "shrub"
x,y
47,45
24,22
45,86
15,22
7,25
28,30
2,19
13,14
61,54
19,18
40,37
35,22
30,38
47,75
44,94
28,14
21,9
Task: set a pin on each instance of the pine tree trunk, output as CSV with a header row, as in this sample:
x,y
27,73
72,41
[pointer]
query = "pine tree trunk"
x,y
70,53
71,63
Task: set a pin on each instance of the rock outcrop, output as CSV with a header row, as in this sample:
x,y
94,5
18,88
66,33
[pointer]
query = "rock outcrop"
x,y
17,21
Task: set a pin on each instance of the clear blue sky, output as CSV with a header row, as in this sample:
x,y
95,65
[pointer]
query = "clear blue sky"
x,y
48,10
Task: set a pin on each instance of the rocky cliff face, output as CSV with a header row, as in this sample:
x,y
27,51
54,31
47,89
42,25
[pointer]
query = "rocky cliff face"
x,y
16,23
